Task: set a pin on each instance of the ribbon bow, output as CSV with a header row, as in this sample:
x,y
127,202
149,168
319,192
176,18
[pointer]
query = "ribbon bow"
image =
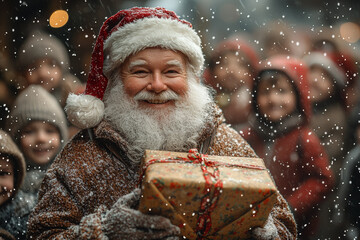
x,y
213,184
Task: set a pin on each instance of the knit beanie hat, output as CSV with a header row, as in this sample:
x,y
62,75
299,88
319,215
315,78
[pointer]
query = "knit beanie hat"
x,y
10,149
326,63
41,45
6,235
35,103
122,35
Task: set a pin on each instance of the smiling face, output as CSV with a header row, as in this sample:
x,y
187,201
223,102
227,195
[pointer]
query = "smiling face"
x,y
45,72
155,101
276,97
6,179
321,85
40,142
232,72
155,77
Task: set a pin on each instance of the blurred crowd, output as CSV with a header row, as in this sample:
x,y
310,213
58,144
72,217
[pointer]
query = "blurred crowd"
x,y
294,99
290,93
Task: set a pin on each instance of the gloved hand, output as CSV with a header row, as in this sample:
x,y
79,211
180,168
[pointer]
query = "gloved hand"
x,y
123,222
268,232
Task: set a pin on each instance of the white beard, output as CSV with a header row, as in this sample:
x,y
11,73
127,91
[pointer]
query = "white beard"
x,y
175,129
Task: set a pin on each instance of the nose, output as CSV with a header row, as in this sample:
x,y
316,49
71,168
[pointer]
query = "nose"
x,y
41,137
274,96
43,70
157,83
232,67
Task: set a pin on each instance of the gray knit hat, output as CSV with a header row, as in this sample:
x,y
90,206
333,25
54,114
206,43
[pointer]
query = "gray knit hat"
x,y
10,149
42,45
35,103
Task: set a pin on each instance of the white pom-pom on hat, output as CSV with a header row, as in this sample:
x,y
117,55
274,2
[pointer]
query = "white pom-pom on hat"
x,y
84,111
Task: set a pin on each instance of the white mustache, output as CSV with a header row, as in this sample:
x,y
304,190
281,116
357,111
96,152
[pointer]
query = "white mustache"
x,y
167,95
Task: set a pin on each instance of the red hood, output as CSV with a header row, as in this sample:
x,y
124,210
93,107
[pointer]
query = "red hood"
x,y
298,73
234,45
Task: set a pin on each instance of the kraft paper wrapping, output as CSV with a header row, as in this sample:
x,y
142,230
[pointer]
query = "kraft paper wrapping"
x,y
175,190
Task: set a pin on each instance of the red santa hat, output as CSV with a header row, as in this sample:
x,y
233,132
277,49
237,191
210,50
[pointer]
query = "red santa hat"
x,y
122,35
329,65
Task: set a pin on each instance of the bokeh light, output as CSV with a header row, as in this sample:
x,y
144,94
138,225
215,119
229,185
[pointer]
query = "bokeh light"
x,y
58,18
350,32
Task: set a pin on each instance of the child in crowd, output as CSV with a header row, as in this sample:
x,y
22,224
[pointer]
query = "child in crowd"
x,y
38,125
327,82
231,70
15,205
330,42
279,133
44,60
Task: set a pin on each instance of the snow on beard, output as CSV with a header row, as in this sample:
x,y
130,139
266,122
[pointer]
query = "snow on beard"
x,y
175,129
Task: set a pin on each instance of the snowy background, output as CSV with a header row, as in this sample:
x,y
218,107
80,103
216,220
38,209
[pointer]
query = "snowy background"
x,y
215,20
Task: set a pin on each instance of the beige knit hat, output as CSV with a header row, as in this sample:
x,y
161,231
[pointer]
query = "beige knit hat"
x,y
10,149
35,103
40,45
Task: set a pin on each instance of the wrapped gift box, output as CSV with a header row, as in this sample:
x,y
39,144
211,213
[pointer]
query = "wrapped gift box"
x,y
212,197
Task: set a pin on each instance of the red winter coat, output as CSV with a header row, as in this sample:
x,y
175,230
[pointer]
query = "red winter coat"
x,y
295,158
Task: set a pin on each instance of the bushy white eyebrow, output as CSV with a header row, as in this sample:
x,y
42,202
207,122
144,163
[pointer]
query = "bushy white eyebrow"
x,y
137,63
176,63
140,62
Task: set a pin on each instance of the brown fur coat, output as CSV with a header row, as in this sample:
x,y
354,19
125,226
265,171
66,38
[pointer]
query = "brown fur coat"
x,y
89,176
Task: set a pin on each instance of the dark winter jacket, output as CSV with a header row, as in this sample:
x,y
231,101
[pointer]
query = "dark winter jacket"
x,y
347,211
353,208
89,176
292,152
33,179
330,125
348,194
15,214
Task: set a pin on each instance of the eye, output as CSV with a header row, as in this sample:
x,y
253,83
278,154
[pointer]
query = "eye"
x,y
28,131
5,173
51,131
139,72
172,71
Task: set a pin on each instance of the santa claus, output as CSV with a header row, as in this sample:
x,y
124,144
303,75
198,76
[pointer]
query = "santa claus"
x,y
144,91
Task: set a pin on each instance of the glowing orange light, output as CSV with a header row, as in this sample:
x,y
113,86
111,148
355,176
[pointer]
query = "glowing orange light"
x,y
58,18
350,32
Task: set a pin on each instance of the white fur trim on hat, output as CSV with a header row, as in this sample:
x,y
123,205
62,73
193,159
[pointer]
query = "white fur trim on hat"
x,y
153,32
84,111
318,59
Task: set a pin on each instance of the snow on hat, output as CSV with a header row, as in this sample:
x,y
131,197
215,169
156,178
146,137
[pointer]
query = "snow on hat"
x,y
41,45
10,149
35,103
319,59
122,35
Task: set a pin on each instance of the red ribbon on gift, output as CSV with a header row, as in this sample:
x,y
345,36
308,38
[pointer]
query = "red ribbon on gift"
x,y
213,184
